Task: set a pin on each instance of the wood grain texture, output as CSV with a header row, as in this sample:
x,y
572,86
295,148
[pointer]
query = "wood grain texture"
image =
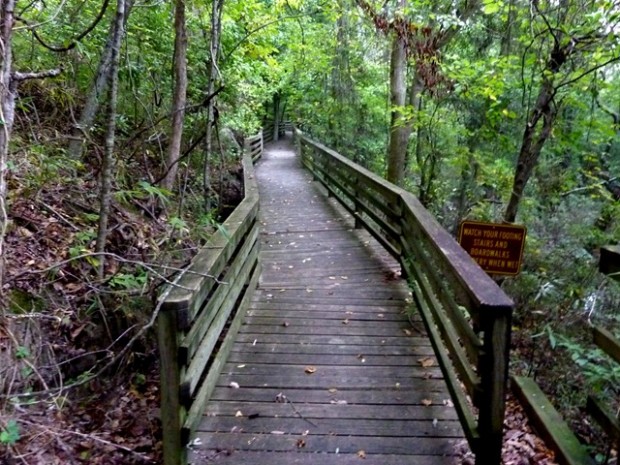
x,y
327,363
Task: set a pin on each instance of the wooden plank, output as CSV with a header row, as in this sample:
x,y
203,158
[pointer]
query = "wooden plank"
x,y
343,411
609,262
549,424
325,426
460,402
172,413
393,374
279,349
307,339
442,293
198,405
320,443
299,457
280,316
604,417
329,382
206,263
222,294
607,342
327,396
328,330
449,337
205,346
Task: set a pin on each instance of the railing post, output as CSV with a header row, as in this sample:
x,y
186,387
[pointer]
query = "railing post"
x,y
493,371
171,420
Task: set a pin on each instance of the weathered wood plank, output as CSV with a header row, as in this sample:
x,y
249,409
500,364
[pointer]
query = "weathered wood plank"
x,y
335,381
607,342
300,457
208,385
324,426
296,409
549,424
326,396
345,444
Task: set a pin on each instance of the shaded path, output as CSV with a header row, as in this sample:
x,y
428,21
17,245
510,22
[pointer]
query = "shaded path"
x,y
328,366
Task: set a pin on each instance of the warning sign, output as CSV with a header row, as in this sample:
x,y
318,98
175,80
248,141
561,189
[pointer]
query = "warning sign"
x,y
497,248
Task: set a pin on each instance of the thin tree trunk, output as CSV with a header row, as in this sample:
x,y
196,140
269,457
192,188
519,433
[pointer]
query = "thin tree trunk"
x,y
180,94
214,50
79,134
399,134
534,138
7,106
108,162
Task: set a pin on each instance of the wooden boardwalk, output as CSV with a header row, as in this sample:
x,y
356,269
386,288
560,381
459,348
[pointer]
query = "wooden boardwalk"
x,y
327,367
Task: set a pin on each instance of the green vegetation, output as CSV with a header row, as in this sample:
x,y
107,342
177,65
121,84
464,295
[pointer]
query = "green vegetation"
x,y
500,110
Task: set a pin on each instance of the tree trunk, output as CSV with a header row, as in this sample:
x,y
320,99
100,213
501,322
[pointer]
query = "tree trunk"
x,y
179,95
108,162
276,116
79,134
399,133
214,50
7,106
533,140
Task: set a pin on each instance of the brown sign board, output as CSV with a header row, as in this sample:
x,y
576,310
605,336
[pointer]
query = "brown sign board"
x,y
497,248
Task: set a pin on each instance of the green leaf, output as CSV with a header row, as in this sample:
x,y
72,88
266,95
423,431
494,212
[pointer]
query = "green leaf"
x,y
10,435
491,6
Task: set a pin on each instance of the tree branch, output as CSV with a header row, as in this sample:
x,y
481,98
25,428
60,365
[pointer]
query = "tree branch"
x,y
19,77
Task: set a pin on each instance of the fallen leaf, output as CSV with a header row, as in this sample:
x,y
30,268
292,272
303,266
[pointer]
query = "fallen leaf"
x,y
427,402
285,324
345,321
238,414
277,432
407,332
241,366
380,315
332,390
300,443
338,402
427,362
309,370
234,385
361,454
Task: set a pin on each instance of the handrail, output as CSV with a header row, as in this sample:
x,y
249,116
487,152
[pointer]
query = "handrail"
x,y
268,129
467,316
194,313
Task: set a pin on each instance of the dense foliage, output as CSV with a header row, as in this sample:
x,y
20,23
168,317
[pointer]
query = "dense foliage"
x,y
509,110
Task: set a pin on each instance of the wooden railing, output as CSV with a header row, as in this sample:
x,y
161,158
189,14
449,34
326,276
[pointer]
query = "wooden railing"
x,y
253,146
268,129
205,302
467,316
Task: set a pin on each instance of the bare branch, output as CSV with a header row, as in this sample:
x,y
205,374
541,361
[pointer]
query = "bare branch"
x,y
19,77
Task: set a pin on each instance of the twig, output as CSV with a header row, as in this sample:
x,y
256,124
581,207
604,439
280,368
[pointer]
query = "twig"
x,y
58,215
92,437
112,361
148,266
290,402
586,188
